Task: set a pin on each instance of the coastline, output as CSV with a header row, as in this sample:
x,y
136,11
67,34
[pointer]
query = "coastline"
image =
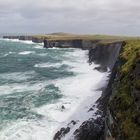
x,y
108,56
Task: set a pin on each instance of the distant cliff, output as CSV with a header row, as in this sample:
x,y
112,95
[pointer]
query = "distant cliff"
x,y
34,39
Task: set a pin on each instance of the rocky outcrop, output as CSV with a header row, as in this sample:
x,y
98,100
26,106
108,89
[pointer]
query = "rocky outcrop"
x,y
75,43
11,37
37,40
92,129
25,38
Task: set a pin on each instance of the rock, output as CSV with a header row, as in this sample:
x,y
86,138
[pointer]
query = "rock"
x,y
63,131
25,37
105,54
11,37
37,40
62,107
101,68
90,130
72,122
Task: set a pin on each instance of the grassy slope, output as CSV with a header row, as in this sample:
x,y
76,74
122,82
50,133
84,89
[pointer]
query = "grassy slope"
x,y
124,102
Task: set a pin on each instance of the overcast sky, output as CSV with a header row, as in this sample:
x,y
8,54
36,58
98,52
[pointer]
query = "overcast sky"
x,y
74,16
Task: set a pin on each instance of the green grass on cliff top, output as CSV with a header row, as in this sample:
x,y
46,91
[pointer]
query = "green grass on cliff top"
x,y
68,36
129,53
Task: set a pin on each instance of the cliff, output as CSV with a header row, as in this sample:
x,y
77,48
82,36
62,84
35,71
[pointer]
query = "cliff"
x,y
123,116
34,39
119,105
120,101
94,129
65,40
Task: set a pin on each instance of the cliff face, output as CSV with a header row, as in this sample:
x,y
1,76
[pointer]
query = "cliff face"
x,y
74,43
94,129
119,105
121,99
37,40
123,115
25,37
105,54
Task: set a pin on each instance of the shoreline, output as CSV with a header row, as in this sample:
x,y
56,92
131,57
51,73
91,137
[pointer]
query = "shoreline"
x,y
122,58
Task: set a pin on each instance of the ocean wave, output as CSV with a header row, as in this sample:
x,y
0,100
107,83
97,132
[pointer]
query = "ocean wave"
x,y
20,41
26,52
21,87
39,46
47,65
78,92
17,76
6,54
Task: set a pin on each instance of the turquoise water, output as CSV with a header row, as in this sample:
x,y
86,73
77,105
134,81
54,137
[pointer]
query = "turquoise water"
x,y
35,83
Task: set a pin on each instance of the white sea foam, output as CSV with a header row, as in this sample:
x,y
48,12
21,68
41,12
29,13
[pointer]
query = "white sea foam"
x,y
40,46
26,52
42,54
5,55
47,65
28,130
24,87
17,76
21,41
13,40
26,41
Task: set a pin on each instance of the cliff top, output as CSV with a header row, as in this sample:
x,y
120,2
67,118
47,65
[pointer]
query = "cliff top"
x,y
68,36
105,39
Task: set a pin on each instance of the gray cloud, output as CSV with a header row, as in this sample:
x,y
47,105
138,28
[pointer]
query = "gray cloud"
x,y
81,16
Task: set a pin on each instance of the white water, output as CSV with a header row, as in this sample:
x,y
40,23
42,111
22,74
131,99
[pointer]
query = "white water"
x,y
21,41
79,94
47,65
26,52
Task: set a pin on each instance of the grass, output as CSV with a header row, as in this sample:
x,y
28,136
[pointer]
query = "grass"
x,y
129,54
68,36
124,102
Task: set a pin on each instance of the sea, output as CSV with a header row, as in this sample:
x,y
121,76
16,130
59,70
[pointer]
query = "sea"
x,y
42,90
